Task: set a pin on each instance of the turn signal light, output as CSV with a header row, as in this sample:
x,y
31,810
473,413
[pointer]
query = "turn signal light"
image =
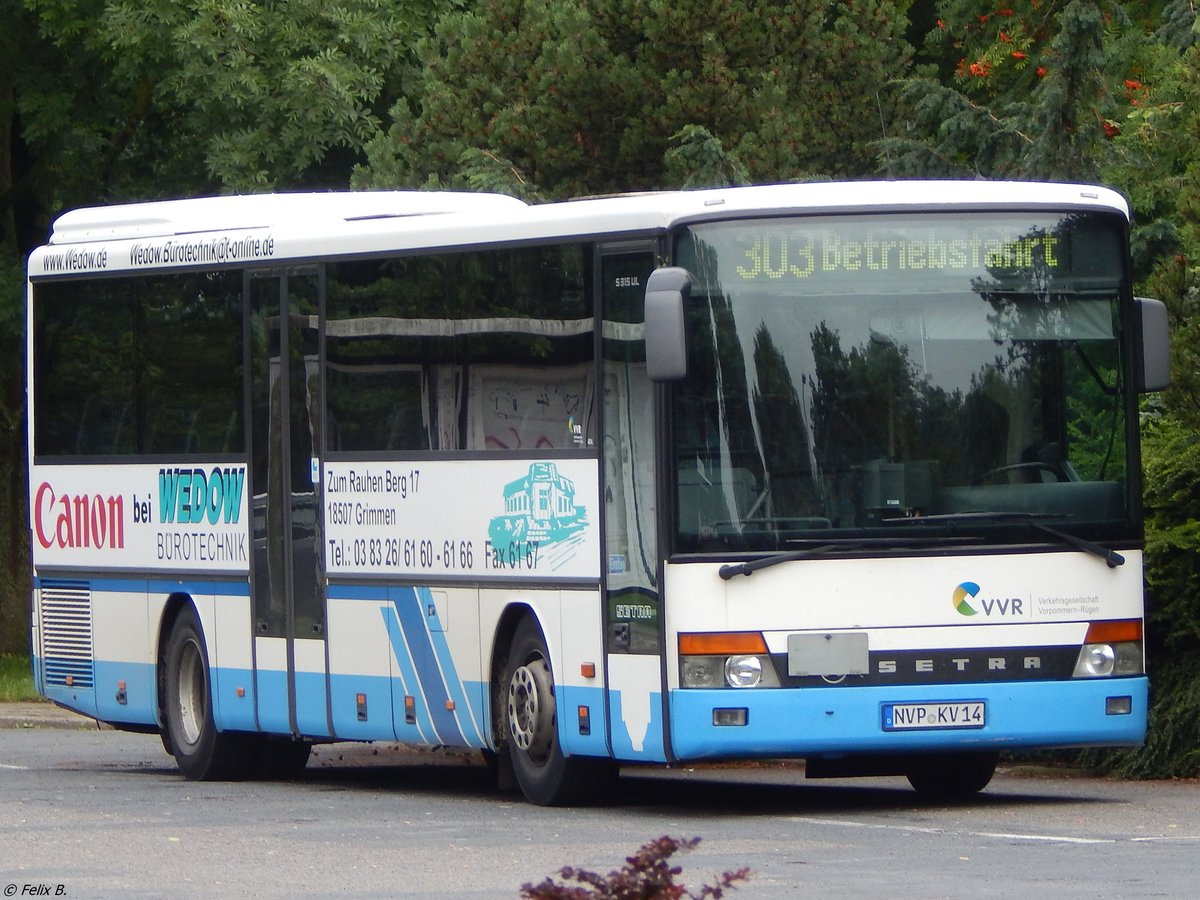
x,y
1114,632
723,643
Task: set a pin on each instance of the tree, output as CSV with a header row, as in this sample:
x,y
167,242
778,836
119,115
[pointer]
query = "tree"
x,y
1022,90
114,100
266,94
1158,165
596,96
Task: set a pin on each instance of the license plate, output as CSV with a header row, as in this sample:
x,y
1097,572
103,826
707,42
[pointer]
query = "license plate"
x,y
913,716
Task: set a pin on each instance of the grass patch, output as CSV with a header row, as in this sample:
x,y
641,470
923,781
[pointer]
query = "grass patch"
x,y
16,679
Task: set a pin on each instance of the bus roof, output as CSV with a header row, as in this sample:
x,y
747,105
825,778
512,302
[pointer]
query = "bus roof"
x,y
228,213
266,229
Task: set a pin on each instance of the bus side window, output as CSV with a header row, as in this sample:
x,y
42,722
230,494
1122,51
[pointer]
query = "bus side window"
x,y
148,364
526,328
489,350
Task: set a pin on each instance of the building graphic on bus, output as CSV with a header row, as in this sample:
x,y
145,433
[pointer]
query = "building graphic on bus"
x,y
539,507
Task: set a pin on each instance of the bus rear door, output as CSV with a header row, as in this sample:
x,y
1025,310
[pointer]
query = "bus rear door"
x,y
291,659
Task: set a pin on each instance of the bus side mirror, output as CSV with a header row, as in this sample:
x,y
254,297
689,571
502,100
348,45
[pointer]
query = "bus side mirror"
x,y
667,290
1154,371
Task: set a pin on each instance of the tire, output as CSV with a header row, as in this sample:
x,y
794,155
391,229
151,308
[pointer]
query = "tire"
x,y
201,752
953,776
530,722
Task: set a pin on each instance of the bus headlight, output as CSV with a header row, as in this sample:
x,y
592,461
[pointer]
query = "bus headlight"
x,y
726,659
1111,648
727,671
701,672
743,671
1096,661
1105,660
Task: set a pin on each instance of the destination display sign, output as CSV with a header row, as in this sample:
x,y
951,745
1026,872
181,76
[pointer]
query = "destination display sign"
x,y
891,252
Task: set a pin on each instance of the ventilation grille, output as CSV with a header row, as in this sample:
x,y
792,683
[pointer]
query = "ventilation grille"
x,y
67,633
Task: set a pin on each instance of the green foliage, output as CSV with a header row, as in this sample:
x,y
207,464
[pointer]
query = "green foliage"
x,y
12,312
1072,104
1172,465
51,107
1172,748
697,159
1160,167
599,96
14,535
265,93
124,99
16,679
1021,90
647,875
1155,163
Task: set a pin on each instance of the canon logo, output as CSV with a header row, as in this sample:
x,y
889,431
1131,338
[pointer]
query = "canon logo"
x,y
68,521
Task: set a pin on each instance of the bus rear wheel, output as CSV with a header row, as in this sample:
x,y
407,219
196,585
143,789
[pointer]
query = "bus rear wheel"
x,y
530,716
951,776
201,752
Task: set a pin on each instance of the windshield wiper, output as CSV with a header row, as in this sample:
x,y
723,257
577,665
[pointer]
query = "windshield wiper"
x,y
750,567
1111,557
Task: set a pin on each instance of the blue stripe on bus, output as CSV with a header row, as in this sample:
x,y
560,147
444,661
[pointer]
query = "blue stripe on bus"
x,y
341,591
417,644
123,692
235,588
836,720
81,700
652,749
409,685
377,692
411,612
464,711
312,704
271,689
140,692
569,700
477,691
418,641
231,712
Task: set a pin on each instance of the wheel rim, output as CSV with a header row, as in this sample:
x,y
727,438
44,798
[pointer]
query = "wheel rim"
x,y
193,695
531,709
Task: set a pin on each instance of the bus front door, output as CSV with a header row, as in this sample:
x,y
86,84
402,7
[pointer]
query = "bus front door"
x,y
291,659
632,609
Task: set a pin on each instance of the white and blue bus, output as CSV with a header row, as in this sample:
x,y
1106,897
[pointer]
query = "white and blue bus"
x,y
840,472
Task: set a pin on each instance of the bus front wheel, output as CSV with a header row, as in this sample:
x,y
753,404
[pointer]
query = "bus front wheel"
x,y
202,752
530,716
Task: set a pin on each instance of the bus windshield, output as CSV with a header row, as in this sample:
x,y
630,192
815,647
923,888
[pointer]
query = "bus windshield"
x,y
848,372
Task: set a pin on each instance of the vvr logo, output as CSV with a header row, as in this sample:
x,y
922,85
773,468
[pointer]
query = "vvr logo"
x,y
967,602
